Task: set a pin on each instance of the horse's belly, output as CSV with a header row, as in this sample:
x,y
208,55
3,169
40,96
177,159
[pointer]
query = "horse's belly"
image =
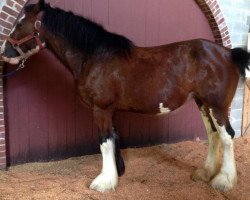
x,y
161,101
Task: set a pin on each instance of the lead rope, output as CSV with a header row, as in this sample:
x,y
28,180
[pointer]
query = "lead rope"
x,y
20,66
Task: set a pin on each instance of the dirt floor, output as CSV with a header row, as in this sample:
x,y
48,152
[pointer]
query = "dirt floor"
x,y
160,172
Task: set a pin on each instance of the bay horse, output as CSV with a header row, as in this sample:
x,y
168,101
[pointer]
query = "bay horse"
x,y
112,74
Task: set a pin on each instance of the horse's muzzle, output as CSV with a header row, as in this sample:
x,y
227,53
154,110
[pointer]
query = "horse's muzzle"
x,y
8,51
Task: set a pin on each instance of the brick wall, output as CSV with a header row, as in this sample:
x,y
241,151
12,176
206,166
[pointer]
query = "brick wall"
x,y
9,11
2,125
216,20
236,14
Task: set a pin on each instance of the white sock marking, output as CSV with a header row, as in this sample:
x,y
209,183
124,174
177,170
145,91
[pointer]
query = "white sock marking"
x,y
212,159
227,177
108,178
3,47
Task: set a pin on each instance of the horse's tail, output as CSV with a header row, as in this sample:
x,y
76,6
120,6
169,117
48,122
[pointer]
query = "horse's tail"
x,y
242,59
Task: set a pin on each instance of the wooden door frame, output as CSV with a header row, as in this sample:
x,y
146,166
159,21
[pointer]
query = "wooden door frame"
x,y
246,109
246,103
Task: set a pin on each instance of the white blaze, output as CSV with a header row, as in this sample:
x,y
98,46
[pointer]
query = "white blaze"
x,y
3,47
14,28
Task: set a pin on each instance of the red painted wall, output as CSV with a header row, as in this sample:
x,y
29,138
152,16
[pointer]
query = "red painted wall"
x,y
45,119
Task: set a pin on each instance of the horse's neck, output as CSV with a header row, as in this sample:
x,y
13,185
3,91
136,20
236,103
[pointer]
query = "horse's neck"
x,y
71,58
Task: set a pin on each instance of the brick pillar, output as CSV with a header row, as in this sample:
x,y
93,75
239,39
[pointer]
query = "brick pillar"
x,y
8,16
2,125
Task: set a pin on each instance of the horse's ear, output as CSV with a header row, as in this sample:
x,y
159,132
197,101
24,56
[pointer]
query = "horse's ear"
x,y
39,6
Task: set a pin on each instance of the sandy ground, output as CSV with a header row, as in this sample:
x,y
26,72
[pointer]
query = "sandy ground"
x,y
160,172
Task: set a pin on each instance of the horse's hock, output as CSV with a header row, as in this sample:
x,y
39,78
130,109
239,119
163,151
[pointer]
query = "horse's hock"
x,y
10,12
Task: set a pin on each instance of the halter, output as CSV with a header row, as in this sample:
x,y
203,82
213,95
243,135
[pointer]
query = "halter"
x,y
16,45
34,35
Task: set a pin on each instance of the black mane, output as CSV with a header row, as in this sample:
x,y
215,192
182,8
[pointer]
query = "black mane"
x,y
83,34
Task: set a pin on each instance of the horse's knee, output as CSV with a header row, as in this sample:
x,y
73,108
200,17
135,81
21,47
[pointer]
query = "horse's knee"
x,y
103,119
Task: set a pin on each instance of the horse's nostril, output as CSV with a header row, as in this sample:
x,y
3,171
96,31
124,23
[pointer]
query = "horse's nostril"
x,y
15,45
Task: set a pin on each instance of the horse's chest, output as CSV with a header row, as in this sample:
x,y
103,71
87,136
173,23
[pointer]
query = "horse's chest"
x,y
95,89
85,91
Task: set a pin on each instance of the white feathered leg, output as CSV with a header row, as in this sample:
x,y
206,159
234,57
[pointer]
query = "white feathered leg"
x,y
108,178
227,177
212,164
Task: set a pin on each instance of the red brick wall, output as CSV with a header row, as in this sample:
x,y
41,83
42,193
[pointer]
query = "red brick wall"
x,y
212,11
12,8
8,16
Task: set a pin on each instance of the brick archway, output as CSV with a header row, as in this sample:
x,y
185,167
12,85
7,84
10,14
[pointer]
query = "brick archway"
x,y
216,20
12,8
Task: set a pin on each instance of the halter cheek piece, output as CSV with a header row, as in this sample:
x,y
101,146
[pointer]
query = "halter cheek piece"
x,y
34,35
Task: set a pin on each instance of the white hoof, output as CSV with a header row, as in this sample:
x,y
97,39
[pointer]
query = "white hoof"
x,y
223,182
104,182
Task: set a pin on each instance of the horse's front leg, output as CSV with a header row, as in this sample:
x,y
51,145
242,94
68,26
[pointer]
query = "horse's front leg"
x,y
112,163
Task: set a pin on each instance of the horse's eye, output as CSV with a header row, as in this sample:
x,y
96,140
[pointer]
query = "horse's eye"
x,y
20,24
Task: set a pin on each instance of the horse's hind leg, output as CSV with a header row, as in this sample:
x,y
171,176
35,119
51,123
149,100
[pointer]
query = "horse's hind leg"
x,y
219,131
227,177
212,164
112,164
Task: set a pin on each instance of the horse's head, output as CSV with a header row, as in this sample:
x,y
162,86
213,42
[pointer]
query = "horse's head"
x,y
25,39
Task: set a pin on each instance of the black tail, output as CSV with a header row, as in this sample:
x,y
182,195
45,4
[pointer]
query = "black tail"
x,y
242,59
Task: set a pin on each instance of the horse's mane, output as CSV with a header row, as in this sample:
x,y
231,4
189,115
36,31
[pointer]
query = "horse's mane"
x,y
83,34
